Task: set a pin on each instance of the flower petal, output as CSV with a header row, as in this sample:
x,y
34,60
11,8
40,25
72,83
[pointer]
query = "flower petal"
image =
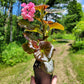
x,y
23,4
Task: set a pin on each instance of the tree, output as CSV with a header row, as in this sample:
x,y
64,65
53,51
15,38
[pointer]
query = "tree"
x,y
8,6
53,2
4,4
11,3
70,22
82,19
79,30
75,8
74,14
79,11
60,5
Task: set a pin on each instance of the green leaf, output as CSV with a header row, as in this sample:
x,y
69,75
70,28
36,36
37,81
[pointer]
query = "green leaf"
x,y
29,27
19,17
30,36
35,29
23,23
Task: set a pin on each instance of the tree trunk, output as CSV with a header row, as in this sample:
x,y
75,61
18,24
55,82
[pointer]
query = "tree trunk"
x,y
11,21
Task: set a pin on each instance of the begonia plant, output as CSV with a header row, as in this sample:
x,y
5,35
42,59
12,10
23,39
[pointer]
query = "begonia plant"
x,y
41,48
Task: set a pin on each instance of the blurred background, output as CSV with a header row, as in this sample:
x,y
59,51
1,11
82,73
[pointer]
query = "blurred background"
x,y
15,64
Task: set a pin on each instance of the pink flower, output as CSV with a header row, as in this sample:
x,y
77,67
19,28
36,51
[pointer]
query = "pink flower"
x,y
23,10
29,17
23,14
28,11
33,10
31,4
31,14
23,4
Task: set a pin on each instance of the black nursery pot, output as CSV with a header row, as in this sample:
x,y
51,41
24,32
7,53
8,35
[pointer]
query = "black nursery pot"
x,y
41,76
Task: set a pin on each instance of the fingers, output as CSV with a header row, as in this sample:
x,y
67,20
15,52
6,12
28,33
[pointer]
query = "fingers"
x,y
32,80
54,80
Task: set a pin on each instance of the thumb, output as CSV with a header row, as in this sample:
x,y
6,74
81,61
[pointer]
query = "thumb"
x,y
32,80
54,80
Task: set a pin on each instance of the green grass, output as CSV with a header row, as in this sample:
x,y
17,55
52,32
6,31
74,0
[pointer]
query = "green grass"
x,y
20,70
17,73
63,36
60,38
78,64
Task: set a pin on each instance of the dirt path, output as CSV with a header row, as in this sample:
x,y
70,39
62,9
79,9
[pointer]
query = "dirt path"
x,y
63,66
21,73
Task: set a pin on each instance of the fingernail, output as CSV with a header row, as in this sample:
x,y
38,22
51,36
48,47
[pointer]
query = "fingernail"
x,y
55,76
32,77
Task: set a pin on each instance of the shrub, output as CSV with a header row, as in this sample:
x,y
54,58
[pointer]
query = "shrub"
x,y
78,45
79,30
63,36
14,54
57,36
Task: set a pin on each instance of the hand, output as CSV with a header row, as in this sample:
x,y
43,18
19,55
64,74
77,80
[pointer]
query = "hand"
x,y
54,80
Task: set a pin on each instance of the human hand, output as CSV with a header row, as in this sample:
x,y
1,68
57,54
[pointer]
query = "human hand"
x,y
54,80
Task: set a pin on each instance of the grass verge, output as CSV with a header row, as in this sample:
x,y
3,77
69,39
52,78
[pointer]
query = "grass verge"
x,y
17,74
78,64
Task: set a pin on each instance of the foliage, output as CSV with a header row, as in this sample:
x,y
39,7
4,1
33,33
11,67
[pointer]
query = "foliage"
x,y
75,13
75,8
14,54
77,45
63,35
60,7
2,23
82,19
37,2
16,31
2,19
79,30
2,48
46,26
70,22
53,2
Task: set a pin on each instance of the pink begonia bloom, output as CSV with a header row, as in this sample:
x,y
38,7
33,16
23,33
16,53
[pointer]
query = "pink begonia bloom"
x,y
23,10
23,14
23,4
26,7
29,17
33,10
31,4
31,14
28,11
